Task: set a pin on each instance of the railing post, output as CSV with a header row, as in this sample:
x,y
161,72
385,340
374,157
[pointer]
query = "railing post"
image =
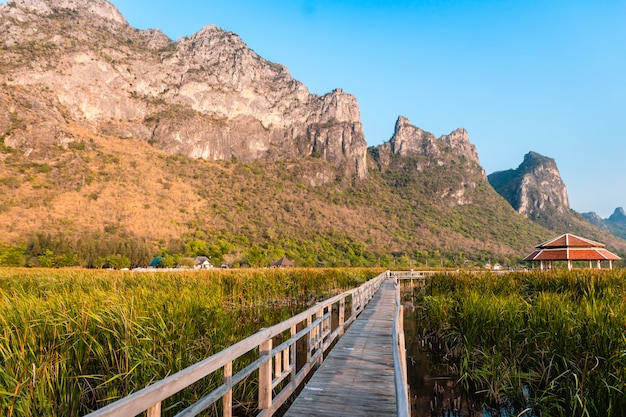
x,y
227,399
293,356
309,339
319,335
342,313
154,411
265,376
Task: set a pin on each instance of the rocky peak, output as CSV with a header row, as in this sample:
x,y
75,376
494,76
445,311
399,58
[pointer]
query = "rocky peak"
x,y
100,8
459,142
534,189
593,218
618,216
205,96
418,153
410,140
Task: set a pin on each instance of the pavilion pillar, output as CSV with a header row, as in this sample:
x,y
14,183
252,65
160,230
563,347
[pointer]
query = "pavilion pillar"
x,y
569,264
599,264
610,264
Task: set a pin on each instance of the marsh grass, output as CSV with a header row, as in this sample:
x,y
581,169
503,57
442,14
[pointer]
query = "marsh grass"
x,y
72,341
552,340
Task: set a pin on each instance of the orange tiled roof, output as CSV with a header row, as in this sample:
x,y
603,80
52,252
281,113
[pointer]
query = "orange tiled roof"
x,y
572,254
569,240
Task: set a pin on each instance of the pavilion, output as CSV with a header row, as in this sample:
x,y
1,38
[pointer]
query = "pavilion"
x,y
570,248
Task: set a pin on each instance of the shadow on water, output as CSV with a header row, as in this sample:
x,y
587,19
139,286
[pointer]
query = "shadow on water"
x,y
433,374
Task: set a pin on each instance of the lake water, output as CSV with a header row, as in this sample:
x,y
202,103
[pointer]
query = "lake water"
x,y
432,375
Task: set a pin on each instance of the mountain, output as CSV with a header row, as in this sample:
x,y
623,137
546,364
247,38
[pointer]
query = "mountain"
x,y
120,142
535,189
615,223
206,96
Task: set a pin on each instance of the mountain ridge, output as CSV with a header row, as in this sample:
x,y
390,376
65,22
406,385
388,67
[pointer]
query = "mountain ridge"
x,y
121,141
207,95
615,223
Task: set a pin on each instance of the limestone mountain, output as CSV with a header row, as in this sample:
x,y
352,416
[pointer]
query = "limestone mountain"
x,y
445,193
78,62
450,154
536,190
618,216
615,223
118,141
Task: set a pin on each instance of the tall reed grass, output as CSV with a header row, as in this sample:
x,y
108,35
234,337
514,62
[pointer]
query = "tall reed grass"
x,y
552,340
72,341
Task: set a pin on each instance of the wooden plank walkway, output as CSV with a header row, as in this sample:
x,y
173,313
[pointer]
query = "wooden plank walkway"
x,y
357,377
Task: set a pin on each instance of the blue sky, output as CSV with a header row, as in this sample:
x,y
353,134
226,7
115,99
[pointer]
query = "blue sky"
x,y
520,76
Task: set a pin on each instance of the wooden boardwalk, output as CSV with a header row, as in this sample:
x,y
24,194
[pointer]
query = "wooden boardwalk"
x,y
357,377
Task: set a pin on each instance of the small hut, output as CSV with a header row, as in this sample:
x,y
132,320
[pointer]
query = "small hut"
x,y
570,248
281,263
202,262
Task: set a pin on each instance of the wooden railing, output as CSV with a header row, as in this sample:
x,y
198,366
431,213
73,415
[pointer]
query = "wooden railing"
x,y
276,366
417,275
399,357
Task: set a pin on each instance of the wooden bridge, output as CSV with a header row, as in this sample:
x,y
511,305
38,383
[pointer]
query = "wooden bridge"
x,y
364,374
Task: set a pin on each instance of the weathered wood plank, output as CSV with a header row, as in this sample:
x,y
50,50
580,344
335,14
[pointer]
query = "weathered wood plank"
x,y
357,378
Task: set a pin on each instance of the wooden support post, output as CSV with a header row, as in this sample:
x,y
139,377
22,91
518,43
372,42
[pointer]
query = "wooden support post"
x,y
319,334
309,340
154,411
286,360
265,376
227,399
342,313
293,356
278,363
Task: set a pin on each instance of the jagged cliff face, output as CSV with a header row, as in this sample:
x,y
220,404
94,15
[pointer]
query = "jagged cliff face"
x,y
206,96
451,154
409,140
534,189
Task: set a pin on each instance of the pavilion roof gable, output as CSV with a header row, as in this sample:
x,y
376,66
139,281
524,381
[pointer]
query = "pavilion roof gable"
x,y
569,240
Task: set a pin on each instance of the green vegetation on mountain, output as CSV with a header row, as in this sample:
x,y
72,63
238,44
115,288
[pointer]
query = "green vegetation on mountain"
x,y
101,122
105,197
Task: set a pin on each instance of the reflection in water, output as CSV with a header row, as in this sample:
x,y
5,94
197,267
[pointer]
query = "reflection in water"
x,y
432,373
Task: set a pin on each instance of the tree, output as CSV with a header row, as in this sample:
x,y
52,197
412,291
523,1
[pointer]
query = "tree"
x,y
48,259
255,257
11,256
117,261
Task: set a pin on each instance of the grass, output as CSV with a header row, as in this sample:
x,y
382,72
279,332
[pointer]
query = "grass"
x,y
72,341
560,336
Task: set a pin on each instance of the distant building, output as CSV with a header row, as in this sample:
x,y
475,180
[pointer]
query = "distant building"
x,y
570,248
202,262
281,263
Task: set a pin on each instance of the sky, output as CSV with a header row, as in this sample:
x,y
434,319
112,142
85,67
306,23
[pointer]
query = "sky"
x,y
519,76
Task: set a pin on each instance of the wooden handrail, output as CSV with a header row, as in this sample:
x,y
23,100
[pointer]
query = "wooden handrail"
x,y
399,357
274,364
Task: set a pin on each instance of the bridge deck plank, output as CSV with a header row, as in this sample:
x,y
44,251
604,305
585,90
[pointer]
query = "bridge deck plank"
x,y
357,377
